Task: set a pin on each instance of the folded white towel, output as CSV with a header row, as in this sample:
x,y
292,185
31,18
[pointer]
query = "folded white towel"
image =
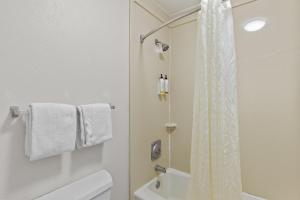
x,y
95,124
50,130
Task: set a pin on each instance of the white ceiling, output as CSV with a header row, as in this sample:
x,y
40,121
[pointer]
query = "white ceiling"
x,y
172,7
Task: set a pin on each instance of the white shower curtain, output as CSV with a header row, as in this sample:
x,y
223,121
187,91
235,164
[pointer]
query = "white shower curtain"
x,y
215,161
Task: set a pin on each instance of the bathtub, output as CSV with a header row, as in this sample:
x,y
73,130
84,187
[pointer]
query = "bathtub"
x,y
173,186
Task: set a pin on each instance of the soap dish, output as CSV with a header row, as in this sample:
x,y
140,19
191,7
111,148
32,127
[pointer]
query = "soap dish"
x,y
170,125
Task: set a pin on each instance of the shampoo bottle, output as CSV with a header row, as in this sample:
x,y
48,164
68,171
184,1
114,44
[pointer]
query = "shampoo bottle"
x,y
161,85
166,84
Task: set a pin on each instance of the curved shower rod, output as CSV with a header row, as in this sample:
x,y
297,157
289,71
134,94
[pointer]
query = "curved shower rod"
x,y
143,37
198,8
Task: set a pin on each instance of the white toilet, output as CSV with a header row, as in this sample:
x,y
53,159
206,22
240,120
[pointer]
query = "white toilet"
x,y
93,187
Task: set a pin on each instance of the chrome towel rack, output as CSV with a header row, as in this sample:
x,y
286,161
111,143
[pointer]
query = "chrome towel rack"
x,y
16,111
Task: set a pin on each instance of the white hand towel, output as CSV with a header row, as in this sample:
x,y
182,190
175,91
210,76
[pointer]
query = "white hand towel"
x,y
50,130
95,124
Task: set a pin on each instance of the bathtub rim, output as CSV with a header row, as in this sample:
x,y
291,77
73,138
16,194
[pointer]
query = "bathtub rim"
x,y
142,192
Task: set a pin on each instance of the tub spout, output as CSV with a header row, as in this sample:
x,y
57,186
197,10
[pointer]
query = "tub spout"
x,y
159,168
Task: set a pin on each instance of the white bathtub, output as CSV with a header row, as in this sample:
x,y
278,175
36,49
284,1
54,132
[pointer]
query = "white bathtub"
x,y
173,186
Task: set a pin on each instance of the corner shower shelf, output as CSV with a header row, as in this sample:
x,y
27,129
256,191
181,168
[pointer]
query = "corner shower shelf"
x,y
170,125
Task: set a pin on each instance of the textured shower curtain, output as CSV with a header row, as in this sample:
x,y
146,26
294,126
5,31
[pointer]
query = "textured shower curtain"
x,y
215,159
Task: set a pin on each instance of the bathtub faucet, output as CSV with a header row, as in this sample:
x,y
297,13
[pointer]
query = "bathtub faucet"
x,y
159,168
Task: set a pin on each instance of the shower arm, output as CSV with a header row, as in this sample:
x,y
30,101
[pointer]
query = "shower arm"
x,y
198,8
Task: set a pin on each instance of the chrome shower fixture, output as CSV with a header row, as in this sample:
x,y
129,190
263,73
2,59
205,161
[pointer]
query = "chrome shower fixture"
x,y
163,46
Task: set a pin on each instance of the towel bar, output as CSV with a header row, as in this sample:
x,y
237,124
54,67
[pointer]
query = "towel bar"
x,y
16,111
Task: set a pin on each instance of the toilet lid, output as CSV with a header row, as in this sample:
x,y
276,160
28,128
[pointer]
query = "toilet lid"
x,y
83,189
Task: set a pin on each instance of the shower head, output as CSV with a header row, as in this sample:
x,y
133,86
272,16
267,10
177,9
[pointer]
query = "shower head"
x,y
163,46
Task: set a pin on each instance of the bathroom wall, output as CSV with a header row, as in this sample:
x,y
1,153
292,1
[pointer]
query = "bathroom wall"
x,y
148,112
269,96
71,51
183,40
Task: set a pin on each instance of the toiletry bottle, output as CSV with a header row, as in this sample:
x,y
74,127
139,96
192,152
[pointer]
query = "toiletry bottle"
x,y
162,85
166,84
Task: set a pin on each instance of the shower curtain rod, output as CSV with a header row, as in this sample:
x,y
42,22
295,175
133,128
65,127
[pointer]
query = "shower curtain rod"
x,y
198,8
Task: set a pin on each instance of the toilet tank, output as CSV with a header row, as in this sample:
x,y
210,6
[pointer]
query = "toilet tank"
x,y
96,186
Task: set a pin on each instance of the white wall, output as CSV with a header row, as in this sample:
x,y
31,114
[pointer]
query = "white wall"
x,y
148,112
71,51
183,41
269,99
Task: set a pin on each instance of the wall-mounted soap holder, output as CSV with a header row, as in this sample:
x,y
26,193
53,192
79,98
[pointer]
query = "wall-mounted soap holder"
x,y
170,127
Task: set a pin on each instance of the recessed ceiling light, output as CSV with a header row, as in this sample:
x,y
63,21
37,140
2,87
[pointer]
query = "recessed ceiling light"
x,y
255,24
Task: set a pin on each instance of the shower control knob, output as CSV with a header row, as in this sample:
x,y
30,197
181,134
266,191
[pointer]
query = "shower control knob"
x,y
155,150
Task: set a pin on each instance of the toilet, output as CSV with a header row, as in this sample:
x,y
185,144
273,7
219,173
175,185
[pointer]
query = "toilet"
x,y
96,186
